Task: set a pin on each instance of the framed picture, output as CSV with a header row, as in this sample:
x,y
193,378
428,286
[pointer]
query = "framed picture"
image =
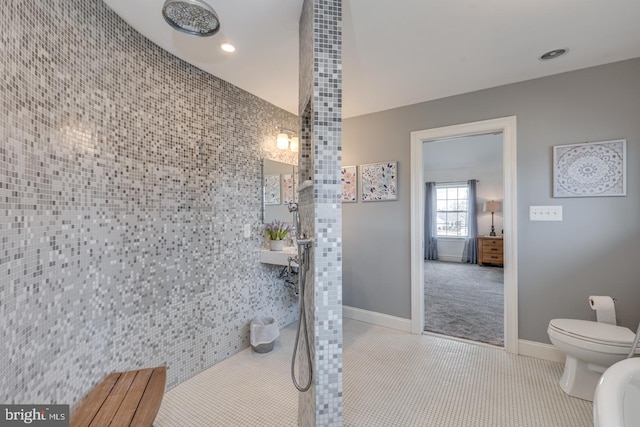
x,y
591,169
272,189
287,188
379,181
349,177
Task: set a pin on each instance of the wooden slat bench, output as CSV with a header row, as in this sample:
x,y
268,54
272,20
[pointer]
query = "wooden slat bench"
x,y
129,398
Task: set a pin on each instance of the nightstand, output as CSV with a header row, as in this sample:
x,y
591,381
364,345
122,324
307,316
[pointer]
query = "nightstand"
x,y
490,250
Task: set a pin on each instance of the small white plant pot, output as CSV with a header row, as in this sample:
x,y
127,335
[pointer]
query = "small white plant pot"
x,y
276,245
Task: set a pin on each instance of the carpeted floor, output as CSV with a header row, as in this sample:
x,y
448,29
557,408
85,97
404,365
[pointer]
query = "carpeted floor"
x,y
464,301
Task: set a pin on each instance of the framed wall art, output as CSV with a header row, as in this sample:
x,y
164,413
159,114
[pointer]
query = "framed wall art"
x,y
272,189
288,187
591,169
349,177
379,181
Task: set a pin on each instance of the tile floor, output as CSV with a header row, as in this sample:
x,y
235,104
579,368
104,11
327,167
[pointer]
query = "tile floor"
x,y
390,379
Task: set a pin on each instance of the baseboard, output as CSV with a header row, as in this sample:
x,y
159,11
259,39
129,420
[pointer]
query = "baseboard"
x,y
540,351
525,348
376,318
450,258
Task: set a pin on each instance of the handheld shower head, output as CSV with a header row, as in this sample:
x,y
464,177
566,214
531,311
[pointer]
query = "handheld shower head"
x,y
293,208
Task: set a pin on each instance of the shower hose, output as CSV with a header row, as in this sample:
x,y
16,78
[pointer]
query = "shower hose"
x,y
302,319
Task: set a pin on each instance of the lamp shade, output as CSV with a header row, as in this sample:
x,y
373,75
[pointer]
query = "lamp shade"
x,y
282,142
493,206
295,144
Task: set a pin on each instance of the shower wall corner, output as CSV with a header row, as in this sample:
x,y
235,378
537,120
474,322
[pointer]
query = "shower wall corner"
x,y
320,205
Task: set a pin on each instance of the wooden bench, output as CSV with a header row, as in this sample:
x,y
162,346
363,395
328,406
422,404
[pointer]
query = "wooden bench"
x,y
129,398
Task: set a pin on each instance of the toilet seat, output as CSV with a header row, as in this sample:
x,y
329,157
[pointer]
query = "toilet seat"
x,y
616,338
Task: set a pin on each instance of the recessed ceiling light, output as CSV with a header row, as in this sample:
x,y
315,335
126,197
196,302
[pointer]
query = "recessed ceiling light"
x,y
553,54
227,47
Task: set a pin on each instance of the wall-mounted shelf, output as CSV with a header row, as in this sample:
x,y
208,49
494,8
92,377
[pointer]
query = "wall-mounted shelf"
x,y
279,257
306,184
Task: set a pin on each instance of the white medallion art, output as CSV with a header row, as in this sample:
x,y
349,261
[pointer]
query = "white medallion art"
x,y
594,169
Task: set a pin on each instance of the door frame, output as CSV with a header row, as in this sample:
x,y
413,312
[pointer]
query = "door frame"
x,y
506,125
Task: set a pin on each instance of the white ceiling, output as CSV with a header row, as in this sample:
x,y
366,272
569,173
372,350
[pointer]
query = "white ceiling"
x,y
402,52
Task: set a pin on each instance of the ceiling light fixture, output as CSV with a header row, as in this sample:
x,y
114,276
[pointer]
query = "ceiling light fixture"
x,y
227,47
283,141
553,54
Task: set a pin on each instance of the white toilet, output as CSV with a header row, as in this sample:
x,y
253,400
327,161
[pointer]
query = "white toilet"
x,y
590,348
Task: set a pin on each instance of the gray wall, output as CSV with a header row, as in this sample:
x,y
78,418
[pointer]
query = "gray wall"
x,y
593,251
460,159
126,177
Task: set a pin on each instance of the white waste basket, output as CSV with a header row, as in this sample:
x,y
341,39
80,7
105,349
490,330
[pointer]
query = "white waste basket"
x,y
264,331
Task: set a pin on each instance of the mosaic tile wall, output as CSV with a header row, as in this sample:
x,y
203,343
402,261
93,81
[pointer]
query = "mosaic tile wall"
x,y
126,176
321,83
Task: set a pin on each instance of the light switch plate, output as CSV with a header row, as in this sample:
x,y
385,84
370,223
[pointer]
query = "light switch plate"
x,y
545,213
247,231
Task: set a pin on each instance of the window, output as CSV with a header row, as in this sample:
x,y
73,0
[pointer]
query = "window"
x,y
451,209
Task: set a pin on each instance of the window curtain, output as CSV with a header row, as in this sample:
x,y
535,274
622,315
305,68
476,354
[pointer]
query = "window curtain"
x,y
470,253
430,223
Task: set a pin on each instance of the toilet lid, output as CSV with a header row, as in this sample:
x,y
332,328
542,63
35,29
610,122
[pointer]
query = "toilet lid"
x,y
594,331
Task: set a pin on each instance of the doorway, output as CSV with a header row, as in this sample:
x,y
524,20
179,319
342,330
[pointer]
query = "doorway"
x,y
507,128
464,296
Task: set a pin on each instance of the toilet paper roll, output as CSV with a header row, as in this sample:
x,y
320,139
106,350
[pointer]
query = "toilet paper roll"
x,y
604,308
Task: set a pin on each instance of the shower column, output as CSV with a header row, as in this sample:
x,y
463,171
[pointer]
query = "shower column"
x,y
320,158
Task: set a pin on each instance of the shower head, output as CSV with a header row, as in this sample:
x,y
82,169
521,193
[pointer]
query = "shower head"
x,y
193,17
293,208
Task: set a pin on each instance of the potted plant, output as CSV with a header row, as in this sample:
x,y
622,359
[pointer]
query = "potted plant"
x,y
277,232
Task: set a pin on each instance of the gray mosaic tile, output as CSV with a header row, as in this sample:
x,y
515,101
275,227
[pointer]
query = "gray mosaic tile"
x,y
321,206
126,176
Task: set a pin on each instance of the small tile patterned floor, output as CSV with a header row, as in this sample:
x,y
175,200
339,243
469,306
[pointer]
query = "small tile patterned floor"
x,y
390,379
